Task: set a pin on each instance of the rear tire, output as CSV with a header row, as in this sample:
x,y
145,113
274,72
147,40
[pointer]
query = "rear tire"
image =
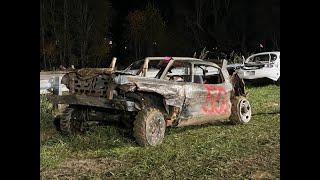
x,y
149,127
240,111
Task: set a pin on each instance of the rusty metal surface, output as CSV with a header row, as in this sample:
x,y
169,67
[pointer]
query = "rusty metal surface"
x,y
173,92
238,85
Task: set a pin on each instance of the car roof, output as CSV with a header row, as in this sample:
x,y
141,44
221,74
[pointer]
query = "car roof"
x,y
187,59
271,52
175,58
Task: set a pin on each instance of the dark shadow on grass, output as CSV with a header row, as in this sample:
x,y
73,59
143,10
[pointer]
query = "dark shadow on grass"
x,y
195,127
114,136
265,113
121,128
259,83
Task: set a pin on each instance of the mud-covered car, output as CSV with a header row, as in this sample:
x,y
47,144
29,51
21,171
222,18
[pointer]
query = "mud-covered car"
x,y
260,66
152,94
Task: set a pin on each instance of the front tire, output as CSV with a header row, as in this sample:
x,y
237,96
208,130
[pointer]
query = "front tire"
x,y
240,111
70,122
149,127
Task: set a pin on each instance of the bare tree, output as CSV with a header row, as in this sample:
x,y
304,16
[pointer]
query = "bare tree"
x,y
42,32
85,27
274,38
145,30
65,19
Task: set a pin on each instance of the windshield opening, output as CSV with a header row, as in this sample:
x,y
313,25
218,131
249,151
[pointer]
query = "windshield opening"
x,y
264,58
154,67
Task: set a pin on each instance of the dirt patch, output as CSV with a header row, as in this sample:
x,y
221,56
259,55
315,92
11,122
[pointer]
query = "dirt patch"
x,y
83,169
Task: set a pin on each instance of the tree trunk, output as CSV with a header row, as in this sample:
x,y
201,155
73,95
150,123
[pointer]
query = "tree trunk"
x,y
275,41
243,44
136,48
81,54
42,34
65,32
52,11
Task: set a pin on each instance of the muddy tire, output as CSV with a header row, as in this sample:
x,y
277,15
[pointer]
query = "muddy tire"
x,y
149,127
69,122
240,111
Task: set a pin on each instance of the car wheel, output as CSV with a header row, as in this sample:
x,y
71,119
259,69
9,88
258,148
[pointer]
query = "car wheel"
x,y
240,110
149,127
70,122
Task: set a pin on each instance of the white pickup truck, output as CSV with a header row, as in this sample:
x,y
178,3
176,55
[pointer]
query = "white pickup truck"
x,y
259,66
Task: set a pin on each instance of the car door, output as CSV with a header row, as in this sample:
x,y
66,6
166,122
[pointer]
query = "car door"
x,y
208,96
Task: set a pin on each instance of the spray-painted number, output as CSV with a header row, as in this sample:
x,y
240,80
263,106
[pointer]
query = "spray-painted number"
x,y
216,101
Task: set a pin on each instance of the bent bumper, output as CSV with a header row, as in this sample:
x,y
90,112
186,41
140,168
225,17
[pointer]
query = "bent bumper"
x,y
257,74
95,102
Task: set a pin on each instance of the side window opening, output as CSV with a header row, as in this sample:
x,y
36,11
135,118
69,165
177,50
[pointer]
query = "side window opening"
x,y
204,74
179,72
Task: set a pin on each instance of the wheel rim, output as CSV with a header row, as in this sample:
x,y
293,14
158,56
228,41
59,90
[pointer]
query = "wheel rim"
x,y
245,110
155,130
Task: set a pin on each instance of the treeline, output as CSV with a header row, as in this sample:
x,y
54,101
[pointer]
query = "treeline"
x,y
74,32
90,32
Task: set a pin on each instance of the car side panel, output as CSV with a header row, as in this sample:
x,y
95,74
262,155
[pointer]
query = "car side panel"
x,y
206,103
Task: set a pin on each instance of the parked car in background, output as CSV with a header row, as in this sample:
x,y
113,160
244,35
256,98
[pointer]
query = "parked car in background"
x,y
265,65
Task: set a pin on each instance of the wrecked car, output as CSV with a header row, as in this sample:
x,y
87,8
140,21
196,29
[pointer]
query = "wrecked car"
x,y
259,66
152,94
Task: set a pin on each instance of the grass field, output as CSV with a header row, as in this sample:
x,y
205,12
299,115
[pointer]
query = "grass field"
x,y
250,151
